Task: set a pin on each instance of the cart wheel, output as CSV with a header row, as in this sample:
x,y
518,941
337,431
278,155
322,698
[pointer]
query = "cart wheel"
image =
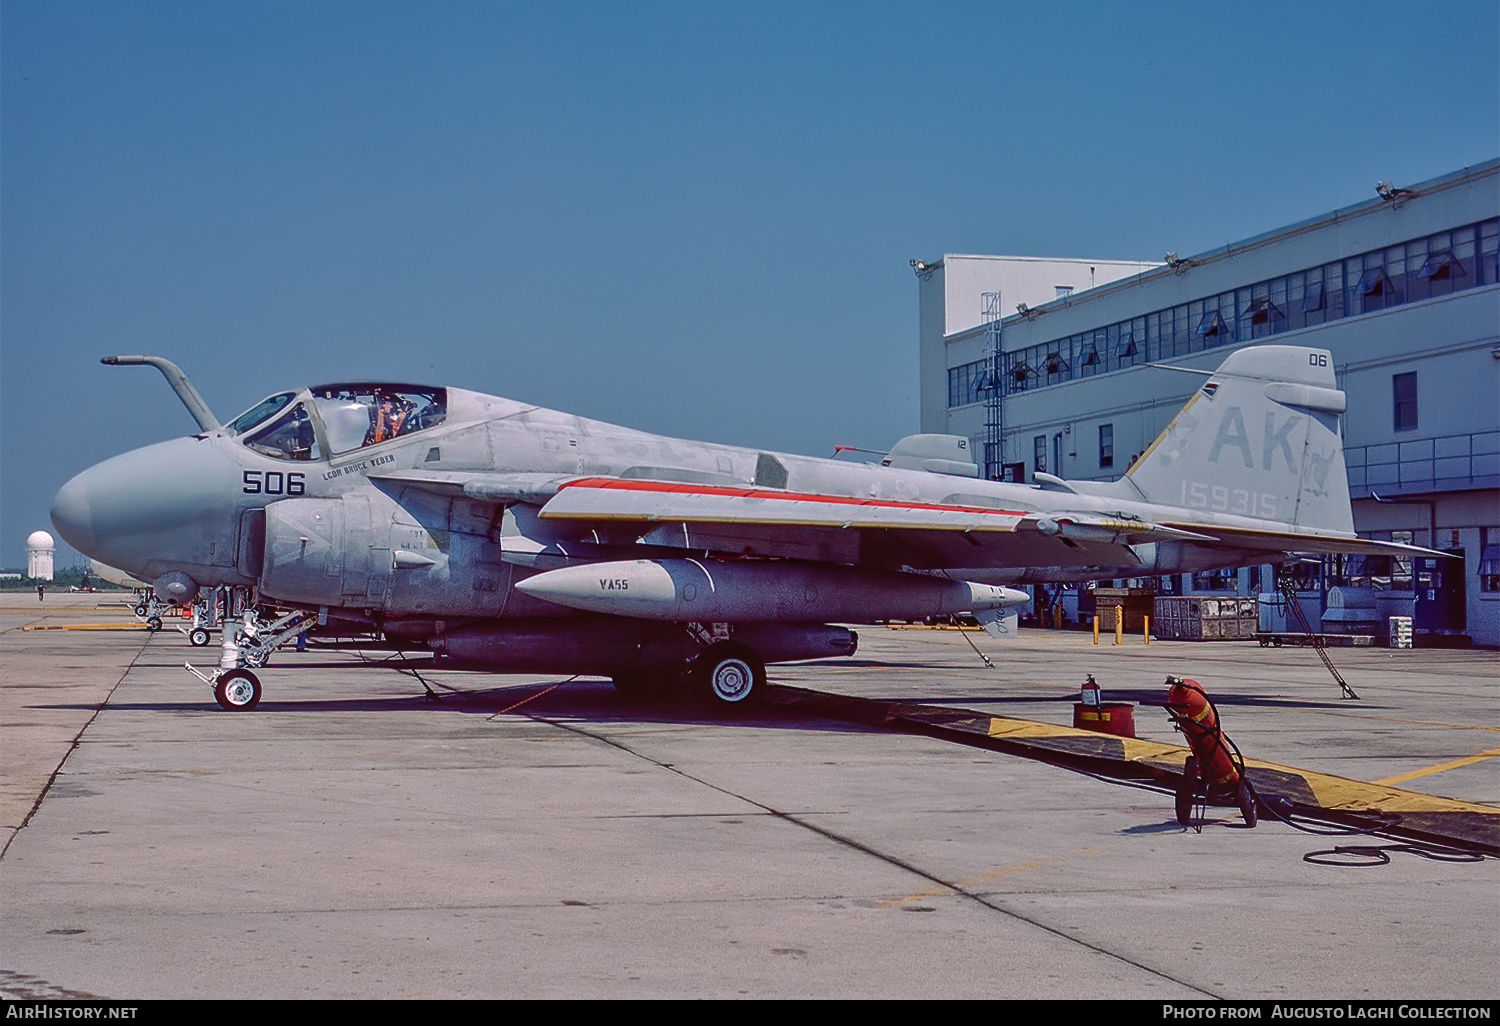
x,y
1245,798
1187,791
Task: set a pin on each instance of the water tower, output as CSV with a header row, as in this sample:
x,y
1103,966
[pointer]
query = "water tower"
x,y
39,550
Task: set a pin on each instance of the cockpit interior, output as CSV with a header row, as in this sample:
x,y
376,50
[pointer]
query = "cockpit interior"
x,y
331,420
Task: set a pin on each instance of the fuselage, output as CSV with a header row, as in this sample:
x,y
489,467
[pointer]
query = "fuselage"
x,y
201,505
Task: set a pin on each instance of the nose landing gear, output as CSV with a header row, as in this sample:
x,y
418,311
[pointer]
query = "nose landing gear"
x,y
236,688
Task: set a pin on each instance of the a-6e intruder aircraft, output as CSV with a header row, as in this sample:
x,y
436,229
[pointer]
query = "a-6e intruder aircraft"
x,y
507,536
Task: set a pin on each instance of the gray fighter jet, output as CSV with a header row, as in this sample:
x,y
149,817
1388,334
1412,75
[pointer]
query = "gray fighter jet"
x,y
512,537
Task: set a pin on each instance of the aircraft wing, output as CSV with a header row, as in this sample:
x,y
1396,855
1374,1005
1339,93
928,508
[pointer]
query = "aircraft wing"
x,y
760,521
749,520
1313,542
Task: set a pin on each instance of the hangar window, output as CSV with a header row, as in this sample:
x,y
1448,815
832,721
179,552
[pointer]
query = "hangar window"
x,y
1440,265
1404,393
960,389
1489,559
1261,311
1216,580
1375,283
1437,264
1106,445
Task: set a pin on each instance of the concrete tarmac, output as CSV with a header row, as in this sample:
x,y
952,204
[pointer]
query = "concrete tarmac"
x,y
529,837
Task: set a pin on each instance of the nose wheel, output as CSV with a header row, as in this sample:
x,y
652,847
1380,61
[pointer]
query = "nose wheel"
x,y
237,691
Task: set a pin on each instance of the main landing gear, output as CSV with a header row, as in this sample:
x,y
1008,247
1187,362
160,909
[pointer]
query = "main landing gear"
x,y
723,675
728,675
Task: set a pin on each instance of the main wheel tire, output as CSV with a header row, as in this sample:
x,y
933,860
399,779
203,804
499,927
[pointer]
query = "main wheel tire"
x,y
198,637
730,676
153,623
238,691
1245,798
140,609
1187,791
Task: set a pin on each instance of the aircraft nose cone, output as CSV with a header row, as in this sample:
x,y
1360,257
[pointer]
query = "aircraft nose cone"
x,y
167,506
73,516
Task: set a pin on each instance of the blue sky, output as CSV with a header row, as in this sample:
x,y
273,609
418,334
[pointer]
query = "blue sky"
x,y
689,218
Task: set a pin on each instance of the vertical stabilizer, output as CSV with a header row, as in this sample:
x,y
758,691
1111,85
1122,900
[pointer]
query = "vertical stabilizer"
x,y
1259,439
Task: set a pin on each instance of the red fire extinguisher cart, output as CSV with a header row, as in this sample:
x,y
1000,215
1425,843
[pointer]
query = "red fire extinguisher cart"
x,y
1215,769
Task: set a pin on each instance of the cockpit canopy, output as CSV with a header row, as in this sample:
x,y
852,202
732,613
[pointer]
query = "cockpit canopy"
x,y
330,420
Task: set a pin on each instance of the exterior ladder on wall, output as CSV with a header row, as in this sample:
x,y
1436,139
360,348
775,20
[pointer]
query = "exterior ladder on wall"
x,y
994,410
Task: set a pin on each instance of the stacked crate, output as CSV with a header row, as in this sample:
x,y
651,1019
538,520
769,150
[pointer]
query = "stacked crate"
x,y
1200,618
1134,604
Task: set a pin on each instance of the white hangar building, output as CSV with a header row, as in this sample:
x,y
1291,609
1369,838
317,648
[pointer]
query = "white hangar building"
x,y
1042,364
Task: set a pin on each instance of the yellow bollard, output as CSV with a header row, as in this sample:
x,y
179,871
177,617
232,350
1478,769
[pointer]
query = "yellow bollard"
x,y
1146,631
1120,626
1096,628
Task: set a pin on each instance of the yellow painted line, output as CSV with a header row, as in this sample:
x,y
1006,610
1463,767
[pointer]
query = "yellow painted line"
x,y
1026,728
1330,792
1440,767
1135,750
939,891
1356,715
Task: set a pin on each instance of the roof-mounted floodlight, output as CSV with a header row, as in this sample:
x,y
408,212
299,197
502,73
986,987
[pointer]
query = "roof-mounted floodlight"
x,y
1392,195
